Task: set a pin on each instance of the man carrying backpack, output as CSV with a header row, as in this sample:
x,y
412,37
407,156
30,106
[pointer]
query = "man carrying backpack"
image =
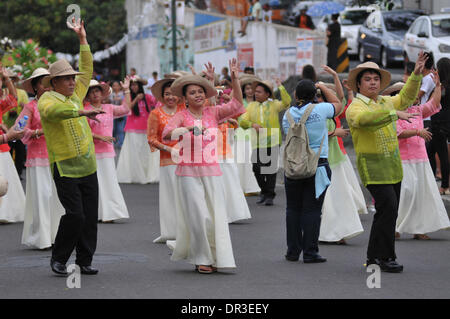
x,y
307,173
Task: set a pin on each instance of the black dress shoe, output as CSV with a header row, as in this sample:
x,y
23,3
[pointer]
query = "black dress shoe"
x,y
386,265
261,200
58,267
314,260
269,202
390,265
88,270
291,258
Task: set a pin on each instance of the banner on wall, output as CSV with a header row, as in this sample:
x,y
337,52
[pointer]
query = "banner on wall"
x,y
245,56
310,50
287,62
213,33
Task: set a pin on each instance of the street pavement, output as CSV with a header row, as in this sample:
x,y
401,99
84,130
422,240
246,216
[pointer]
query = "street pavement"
x,y
131,266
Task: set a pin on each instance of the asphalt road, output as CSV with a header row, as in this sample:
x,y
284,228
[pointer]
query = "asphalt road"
x,y
131,266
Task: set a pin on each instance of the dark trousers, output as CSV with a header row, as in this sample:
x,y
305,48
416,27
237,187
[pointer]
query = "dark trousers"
x,y
303,216
118,130
18,151
265,163
78,227
438,144
382,233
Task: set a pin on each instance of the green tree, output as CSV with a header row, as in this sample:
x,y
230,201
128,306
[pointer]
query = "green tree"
x,y
45,21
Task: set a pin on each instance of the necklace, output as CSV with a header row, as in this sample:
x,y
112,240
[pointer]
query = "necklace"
x,y
166,110
197,116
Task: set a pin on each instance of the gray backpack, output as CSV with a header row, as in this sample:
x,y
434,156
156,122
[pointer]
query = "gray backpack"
x,y
300,161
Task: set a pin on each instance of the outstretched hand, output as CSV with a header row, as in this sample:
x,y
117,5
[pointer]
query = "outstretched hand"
x,y
420,63
92,114
78,28
126,83
210,75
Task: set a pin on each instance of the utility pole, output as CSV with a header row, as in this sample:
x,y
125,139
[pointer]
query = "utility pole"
x,y
174,35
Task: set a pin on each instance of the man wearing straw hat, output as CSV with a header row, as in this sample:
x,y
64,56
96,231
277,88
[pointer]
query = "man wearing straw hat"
x,y
372,119
72,157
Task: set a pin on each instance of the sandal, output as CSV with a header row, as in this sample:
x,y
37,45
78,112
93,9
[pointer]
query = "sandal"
x,y
421,237
202,269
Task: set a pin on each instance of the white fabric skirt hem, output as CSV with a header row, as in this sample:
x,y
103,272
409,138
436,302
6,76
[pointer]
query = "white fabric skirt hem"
x,y
43,209
12,205
137,163
343,203
111,204
421,209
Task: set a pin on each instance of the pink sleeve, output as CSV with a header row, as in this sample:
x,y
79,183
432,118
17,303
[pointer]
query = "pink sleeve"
x,y
229,110
151,101
402,126
28,133
429,108
121,110
175,122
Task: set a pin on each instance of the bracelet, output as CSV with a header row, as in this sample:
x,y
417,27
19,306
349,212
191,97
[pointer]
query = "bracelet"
x,y
5,139
126,92
37,134
417,133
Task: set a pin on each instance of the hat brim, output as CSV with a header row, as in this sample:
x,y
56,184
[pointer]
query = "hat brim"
x,y
178,85
103,87
157,88
259,82
393,88
385,77
46,80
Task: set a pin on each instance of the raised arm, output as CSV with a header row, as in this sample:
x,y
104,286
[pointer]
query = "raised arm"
x,y
285,97
86,60
434,104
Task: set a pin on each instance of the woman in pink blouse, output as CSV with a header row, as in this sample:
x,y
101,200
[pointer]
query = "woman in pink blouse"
x,y
203,236
110,200
43,209
137,163
421,209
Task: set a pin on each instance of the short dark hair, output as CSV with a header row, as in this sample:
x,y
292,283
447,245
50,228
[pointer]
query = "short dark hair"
x,y
266,89
249,69
335,16
429,63
305,90
155,73
360,75
309,73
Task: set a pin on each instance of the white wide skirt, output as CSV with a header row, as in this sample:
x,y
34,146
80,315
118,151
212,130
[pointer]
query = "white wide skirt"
x,y
203,236
236,204
43,209
12,205
343,202
169,203
421,209
243,155
137,163
111,204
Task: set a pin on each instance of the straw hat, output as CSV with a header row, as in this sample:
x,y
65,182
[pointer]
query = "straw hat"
x,y
26,85
57,69
267,84
157,88
393,88
176,74
106,89
385,75
137,78
181,82
245,79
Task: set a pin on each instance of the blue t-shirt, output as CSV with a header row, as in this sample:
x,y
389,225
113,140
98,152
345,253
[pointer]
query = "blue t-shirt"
x,y
316,124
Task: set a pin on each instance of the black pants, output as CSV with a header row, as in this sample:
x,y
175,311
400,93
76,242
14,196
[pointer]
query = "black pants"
x,y
19,153
382,234
78,227
265,164
438,144
303,216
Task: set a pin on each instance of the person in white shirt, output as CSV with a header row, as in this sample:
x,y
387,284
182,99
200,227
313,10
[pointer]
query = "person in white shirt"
x,y
428,85
267,13
151,81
